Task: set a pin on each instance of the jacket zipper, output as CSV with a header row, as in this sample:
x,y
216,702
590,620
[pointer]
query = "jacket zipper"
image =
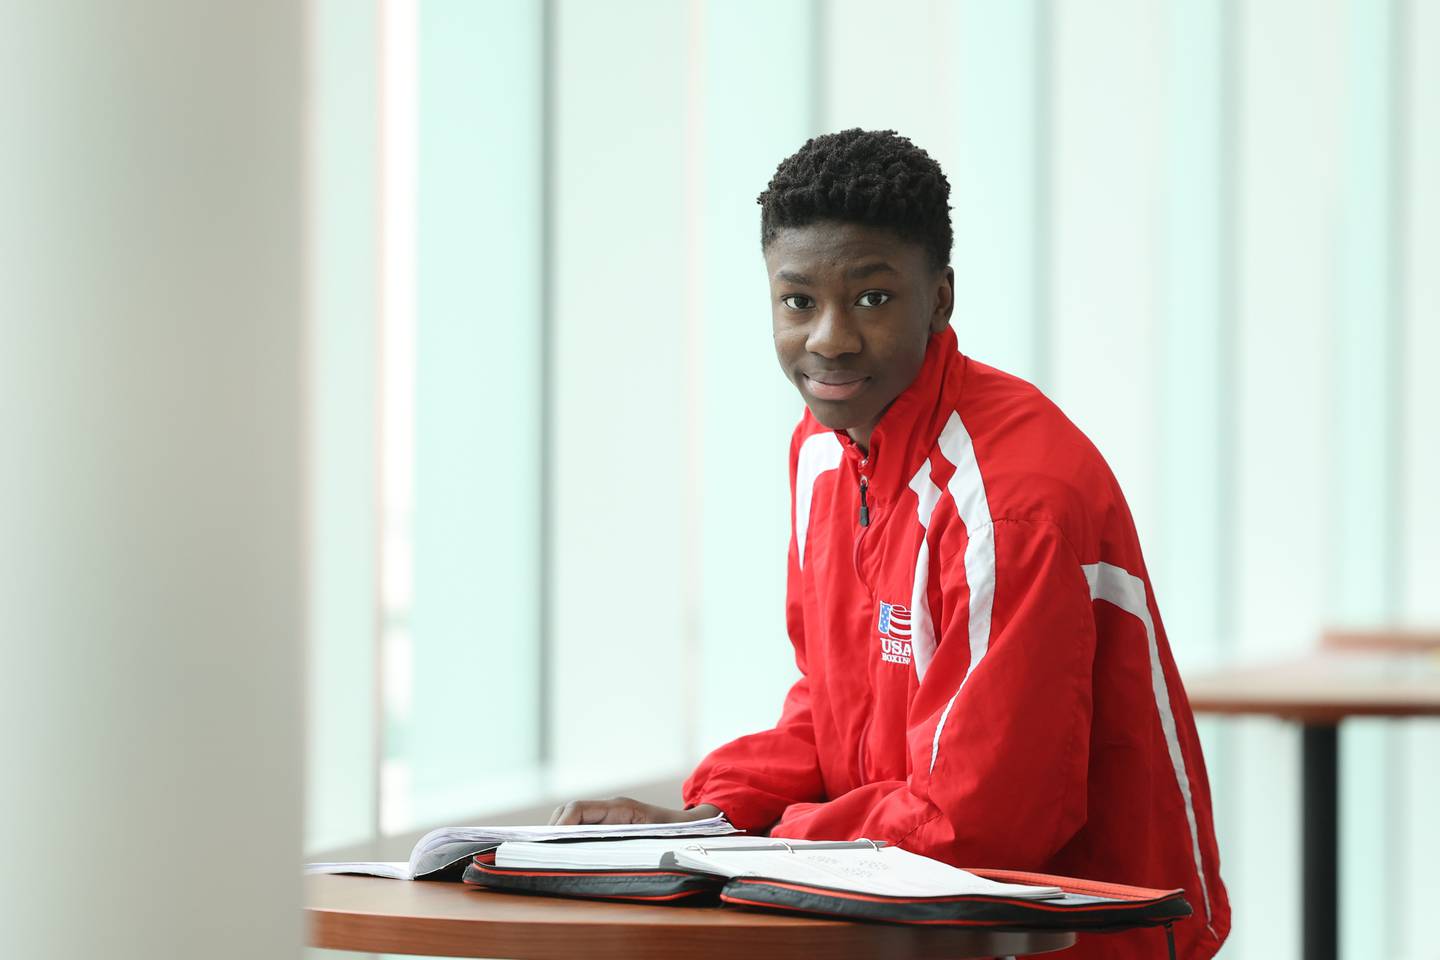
x,y
864,519
864,528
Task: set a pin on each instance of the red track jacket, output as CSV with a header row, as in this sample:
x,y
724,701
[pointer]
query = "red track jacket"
x,y
985,678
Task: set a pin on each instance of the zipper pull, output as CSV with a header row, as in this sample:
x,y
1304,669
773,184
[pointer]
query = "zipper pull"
x,y
864,508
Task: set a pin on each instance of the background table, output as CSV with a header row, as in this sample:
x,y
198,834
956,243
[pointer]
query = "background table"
x,y
458,920
1370,674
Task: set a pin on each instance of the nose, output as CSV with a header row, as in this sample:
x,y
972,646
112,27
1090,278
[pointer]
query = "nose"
x,y
834,333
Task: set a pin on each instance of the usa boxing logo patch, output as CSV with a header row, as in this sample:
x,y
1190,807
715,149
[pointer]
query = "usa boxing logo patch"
x,y
894,628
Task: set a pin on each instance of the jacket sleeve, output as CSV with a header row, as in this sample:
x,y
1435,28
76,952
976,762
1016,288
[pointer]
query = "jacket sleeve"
x,y
753,779
998,734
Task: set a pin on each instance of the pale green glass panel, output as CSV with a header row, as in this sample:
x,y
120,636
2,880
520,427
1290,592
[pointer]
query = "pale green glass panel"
x,y
1366,398
1420,308
1370,837
1289,177
340,770
1289,140
1417,761
1419,192
887,72
1108,83
1362,570
474,702
994,69
623,314
749,408
1190,568
1259,826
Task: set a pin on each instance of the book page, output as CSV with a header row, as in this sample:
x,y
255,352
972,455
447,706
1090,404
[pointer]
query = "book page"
x,y
444,847
390,869
619,854
449,845
888,872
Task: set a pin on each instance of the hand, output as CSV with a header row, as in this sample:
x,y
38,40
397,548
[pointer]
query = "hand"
x,y
626,810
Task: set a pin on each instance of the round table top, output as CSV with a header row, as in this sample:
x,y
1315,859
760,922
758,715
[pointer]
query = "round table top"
x,y
1325,686
461,920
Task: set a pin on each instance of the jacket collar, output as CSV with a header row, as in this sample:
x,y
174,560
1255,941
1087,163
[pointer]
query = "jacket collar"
x,y
910,426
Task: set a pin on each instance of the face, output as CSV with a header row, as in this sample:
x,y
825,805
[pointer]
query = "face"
x,y
853,309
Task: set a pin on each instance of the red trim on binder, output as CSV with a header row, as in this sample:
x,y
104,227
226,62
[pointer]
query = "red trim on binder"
x,y
1072,885
962,898
683,894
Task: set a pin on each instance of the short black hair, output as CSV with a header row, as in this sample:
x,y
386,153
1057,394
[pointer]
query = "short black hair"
x,y
873,177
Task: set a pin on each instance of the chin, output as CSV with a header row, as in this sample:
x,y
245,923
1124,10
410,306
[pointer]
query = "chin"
x,y
833,415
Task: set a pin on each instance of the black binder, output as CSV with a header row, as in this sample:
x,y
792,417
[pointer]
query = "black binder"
x,y
661,885
1085,905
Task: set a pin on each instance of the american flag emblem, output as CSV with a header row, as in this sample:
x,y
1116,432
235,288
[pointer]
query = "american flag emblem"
x,y
895,633
895,621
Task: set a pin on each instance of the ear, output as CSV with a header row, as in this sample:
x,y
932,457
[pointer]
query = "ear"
x,y
944,300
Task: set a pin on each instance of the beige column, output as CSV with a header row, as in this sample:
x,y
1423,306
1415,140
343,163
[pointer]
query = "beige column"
x,y
151,412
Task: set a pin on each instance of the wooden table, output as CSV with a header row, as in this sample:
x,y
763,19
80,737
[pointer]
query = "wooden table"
x,y
1392,676
459,920
1393,641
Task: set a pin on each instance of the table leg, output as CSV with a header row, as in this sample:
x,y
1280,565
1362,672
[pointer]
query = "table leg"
x,y
1320,827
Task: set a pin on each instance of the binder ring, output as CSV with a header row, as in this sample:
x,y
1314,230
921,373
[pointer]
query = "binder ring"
x,y
786,846
872,843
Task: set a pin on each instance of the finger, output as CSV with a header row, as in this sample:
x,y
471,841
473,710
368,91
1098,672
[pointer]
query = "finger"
x,y
555,814
569,814
615,810
629,810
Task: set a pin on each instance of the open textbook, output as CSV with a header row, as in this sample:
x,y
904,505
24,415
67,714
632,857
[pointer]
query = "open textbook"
x,y
853,867
448,847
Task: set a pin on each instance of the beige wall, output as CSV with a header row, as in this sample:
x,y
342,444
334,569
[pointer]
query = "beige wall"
x,y
150,515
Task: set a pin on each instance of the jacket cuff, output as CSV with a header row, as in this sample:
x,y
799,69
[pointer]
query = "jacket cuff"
x,y
745,809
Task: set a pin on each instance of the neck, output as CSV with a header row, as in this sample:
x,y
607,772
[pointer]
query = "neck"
x,y
861,436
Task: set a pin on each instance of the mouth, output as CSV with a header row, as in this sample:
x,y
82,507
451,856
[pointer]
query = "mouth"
x,y
834,386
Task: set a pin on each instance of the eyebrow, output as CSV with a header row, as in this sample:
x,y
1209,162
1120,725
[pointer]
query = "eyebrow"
x,y
854,273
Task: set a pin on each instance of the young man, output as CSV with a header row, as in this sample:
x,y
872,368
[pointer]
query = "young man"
x,y
984,675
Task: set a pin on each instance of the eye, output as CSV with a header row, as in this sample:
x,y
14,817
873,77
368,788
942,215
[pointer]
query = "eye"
x,y
797,301
872,298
